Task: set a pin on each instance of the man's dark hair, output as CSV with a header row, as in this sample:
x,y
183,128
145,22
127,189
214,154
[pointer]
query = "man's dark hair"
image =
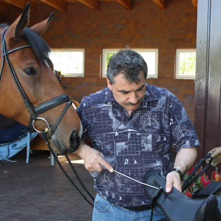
x,y
127,62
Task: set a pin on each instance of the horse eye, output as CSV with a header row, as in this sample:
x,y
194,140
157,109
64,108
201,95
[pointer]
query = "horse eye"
x,y
30,71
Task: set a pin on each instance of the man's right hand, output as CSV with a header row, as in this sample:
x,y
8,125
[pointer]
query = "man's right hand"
x,y
93,159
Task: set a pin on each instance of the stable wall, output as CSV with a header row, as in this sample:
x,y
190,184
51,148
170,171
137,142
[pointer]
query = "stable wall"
x,y
145,26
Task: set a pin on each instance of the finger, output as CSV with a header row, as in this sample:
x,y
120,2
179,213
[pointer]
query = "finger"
x,y
216,151
216,161
106,165
169,186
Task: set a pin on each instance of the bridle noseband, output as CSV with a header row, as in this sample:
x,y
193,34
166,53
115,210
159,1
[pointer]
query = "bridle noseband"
x,y
34,111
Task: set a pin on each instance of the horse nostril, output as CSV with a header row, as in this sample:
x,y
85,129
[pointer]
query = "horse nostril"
x,y
74,140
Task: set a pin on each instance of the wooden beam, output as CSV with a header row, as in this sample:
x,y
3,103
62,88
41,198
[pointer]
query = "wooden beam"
x,y
194,2
125,3
160,3
58,4
20,4
3,8
35,1
93,4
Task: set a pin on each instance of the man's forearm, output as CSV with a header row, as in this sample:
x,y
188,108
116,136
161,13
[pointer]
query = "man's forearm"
x,y
185,158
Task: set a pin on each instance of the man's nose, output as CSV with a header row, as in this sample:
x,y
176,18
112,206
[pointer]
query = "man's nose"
x,y
133,98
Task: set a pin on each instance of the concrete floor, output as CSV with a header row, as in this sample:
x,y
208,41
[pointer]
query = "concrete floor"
x,y
38,191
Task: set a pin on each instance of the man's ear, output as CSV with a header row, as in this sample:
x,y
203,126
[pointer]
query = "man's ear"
x,y
109,84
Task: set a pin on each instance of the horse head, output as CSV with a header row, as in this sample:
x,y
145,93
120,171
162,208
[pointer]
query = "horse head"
x,y
29,90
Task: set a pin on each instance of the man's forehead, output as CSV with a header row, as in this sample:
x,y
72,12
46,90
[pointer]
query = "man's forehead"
x,y
130,87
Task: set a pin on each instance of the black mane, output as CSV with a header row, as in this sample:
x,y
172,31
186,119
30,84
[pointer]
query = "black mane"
x,y
38,45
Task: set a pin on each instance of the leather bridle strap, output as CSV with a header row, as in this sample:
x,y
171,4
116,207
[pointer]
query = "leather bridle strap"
x,y
51,103
65,173
54,127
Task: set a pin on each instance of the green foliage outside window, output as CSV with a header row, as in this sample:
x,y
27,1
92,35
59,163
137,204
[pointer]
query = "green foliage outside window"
x,y
187,64
108,56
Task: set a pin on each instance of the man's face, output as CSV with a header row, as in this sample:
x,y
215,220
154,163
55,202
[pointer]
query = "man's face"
x,y
128,95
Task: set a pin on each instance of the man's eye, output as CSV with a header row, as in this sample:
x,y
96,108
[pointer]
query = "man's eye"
x,y
124,92
30,71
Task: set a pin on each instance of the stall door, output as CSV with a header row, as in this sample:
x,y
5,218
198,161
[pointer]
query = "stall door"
x,y
208,75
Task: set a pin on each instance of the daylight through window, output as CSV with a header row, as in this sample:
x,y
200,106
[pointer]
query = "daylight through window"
x,y
70,62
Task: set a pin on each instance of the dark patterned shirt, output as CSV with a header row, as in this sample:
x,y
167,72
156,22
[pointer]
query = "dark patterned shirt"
x,y
135,143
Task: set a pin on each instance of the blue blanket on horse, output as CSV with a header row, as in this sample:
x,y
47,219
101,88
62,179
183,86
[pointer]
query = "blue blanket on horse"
x,y
14,138
9,149
12,133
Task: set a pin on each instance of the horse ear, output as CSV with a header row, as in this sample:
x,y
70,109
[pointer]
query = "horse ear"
x,y
16,28
41,27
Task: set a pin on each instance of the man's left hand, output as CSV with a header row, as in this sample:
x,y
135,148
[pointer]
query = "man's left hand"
x,y
173,179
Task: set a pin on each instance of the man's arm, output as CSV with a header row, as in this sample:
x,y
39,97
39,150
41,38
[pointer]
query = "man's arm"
x,y
93,159
185,158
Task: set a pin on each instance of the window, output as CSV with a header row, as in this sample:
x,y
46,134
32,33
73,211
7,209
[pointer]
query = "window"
x,y
69,61
185,63
149,55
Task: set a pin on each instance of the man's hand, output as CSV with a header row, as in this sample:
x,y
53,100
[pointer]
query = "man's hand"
x,y
93,159
173,179
216,156
183,161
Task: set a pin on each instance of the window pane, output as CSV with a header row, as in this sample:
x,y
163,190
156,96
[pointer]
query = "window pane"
x,y
70,63
150,58
186,63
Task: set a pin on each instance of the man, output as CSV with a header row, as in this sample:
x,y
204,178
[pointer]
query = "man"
x,y
133,125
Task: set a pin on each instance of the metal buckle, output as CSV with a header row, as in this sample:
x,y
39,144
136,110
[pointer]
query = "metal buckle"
x,y
40,118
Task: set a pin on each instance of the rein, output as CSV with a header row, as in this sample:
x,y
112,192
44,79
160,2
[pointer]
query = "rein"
x,y
65,173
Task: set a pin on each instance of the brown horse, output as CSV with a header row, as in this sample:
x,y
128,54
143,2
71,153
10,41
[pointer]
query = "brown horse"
x,y
29,90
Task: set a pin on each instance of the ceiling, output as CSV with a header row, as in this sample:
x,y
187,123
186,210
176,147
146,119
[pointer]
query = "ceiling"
x,y
62,5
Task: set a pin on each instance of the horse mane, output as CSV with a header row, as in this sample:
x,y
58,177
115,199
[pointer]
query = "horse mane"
x,y
38,45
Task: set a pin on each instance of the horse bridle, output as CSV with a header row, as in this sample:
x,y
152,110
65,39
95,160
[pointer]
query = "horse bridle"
x,y
34,111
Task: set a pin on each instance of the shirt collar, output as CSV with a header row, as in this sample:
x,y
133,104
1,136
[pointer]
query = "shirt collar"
x,y
149,94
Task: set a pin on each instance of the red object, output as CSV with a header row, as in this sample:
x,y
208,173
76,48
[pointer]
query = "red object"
x,y
188,193
190,171
204,180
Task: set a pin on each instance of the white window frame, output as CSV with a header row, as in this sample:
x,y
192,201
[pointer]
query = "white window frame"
x,y
139,50
177,74
69,73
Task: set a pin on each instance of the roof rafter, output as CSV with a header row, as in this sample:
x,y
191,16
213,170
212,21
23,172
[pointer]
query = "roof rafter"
x,y
125,3
93,4
160,3
20,4
194,3
58,4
